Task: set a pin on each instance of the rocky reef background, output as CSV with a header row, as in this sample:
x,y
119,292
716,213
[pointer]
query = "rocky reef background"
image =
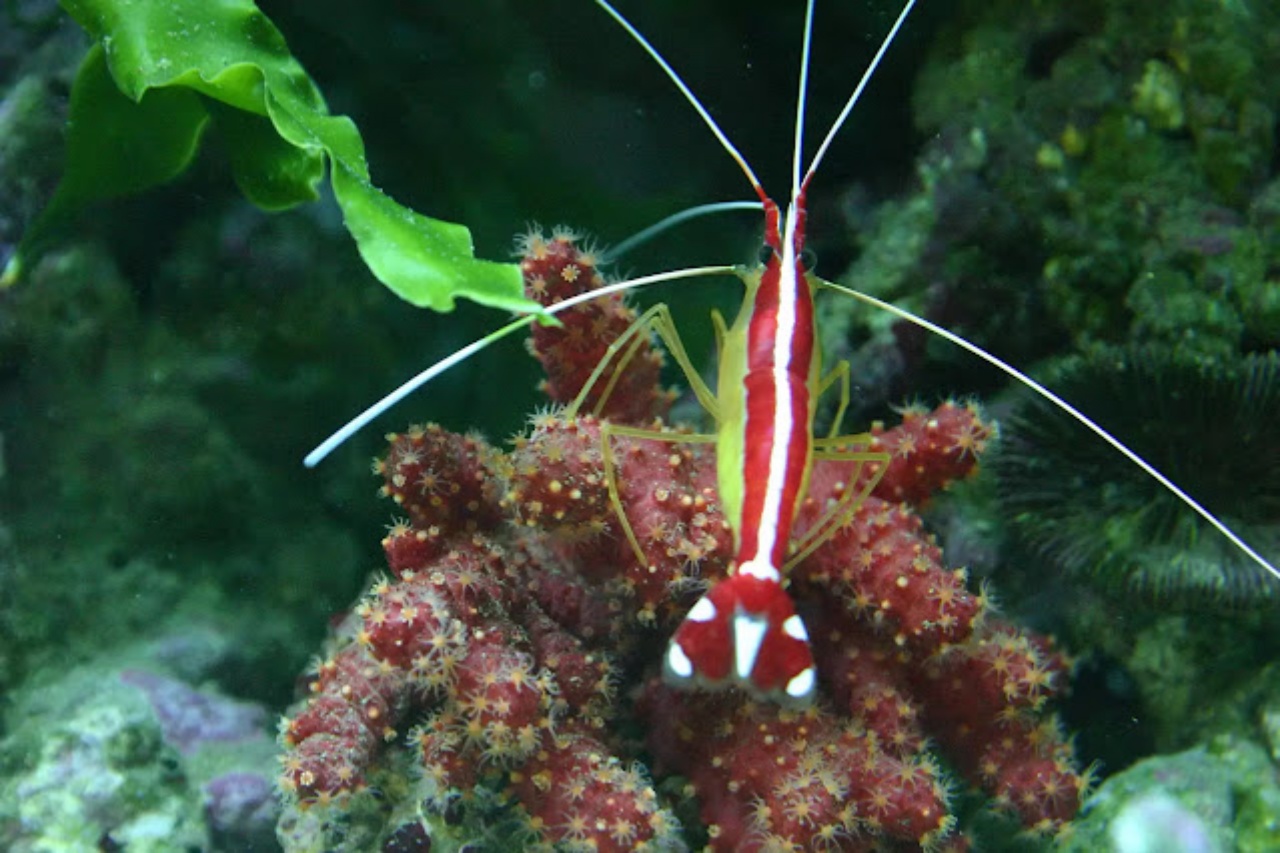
x,y
1067,183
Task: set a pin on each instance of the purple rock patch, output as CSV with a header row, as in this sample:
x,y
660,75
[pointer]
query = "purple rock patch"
x,y
241,810
189,718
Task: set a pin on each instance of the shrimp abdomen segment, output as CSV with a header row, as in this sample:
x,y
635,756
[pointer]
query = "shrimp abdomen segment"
x,y
745,632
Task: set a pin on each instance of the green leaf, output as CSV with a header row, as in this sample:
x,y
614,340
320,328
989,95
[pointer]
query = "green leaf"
x,y
104,158
180,65
272,173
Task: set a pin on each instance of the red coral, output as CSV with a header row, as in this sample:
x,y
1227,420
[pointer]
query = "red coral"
x,y
523,607
882,568
445,481
929,449
770,778
557,479
556,268
585,796
335,737
667,489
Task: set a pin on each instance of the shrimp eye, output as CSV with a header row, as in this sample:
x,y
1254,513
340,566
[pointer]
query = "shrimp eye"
x,y
765,254
809,258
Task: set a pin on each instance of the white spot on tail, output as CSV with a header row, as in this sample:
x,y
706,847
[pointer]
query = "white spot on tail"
x,y
703,611
759,569
802,685
678,663
794,629
748,637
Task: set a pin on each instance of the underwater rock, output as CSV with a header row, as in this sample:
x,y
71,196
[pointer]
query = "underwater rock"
x,y
117,754
1205,800
190,719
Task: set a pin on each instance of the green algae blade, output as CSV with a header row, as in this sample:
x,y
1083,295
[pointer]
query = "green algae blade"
x,y
164,70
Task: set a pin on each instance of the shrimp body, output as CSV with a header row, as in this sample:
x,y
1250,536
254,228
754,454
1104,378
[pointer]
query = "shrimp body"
x,y
745,630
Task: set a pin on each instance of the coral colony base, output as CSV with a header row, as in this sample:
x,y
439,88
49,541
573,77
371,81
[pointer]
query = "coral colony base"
x,y
512,652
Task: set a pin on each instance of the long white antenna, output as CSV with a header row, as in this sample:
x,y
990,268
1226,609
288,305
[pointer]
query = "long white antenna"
x,y
857,92
801,96
688,95
1081,417
361,420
